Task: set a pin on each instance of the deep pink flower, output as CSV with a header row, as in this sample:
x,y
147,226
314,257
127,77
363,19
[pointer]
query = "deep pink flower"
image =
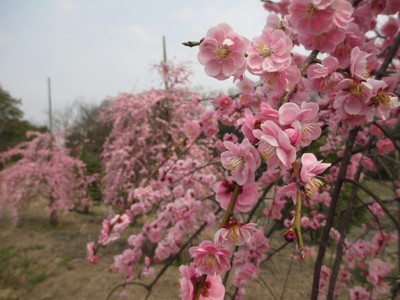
x,y
222,52
234,234
213,288
324,42
275,147
246,199
307,18
269,52
242,160
209,259
282,80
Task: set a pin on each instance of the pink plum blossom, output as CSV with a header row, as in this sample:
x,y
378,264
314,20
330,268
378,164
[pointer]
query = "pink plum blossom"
x,y
91,249
269,52
222,52
242,160
359,293
191,130
302,119
234,234
358,67
324,78
246,199
209,259
307,18
311,167
275,146
119,222
213,288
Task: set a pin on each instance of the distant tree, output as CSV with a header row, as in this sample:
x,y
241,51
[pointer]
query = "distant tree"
x,y
12,126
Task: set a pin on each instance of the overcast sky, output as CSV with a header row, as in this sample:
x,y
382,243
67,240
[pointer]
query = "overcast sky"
x,y
98,48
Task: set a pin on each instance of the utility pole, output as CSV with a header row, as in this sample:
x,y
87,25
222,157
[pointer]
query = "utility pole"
x,y
165,62
50,110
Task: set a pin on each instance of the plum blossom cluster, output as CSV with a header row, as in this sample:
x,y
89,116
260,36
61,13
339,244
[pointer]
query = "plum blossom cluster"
x,y
283,155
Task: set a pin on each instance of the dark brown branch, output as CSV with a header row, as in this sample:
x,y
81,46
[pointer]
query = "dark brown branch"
x,y
377,199
332,209
389,57
344,225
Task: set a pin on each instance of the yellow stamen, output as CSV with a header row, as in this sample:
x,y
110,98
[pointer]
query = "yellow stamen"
x,y
310,11
357,89
236,163
382,99
264,50
223,51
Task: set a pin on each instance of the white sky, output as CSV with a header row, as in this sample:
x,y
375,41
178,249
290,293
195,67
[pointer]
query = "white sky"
x,y
92,49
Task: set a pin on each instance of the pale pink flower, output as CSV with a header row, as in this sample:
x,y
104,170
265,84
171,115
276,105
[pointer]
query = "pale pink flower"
x,y
119,222
234,234
213,288
248,123
343,13
209,259
269,52
353,98
358,67
359,293
282,80
303,119
267,113
242,160
377,271
307,18
222,52
92,257
191,129
382,102
246,199
275,147
310,168
324,78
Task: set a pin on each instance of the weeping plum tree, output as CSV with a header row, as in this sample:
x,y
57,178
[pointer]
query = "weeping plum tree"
x,y
43,171
312,131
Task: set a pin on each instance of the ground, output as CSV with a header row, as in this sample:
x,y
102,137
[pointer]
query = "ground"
x,y
41,262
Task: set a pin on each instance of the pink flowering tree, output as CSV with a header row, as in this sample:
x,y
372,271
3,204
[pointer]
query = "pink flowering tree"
x,y
42,169
298,145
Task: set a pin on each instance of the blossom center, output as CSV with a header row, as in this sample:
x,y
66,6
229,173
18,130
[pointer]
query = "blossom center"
x,y
313,185
236,163
311,11
223,52
357,89
264,50
382,99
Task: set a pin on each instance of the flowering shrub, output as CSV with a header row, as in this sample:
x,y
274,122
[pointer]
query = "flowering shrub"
x,y
309,132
